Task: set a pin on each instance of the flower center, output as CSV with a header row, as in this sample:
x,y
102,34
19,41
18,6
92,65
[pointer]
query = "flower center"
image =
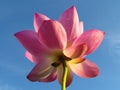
x,y
59,58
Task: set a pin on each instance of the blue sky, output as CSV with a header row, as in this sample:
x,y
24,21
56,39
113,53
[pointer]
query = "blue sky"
x,y
17,15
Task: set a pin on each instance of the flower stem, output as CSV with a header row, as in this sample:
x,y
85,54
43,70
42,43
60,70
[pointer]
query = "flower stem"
x,y
64,78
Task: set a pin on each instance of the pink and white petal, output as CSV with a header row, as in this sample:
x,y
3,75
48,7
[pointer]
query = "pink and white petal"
x,y
35,59
30,42
92,38
60,75
51,77
69,19
53,35
86,69
76,51
81,27
41,71
38,20
30,57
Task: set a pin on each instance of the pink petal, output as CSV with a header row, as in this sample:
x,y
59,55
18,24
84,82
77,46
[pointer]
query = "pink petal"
x,y
51,77
81,27
53,35
35,59
92,38
76,50
60,75
30,42
41,71
30,57
38,20
70,21
86,69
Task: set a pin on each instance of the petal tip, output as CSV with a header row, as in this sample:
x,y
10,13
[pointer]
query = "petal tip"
x,y
17,34
21,33
29,78
36,15
73,7
103,33
95,74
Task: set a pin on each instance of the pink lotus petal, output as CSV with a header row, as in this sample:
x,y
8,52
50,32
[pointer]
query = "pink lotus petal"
x,y
60,75
92,38
51,77
30,42
81,27
76,51
38,20
41,71
35,59
70,21
30,57
53,35
86,69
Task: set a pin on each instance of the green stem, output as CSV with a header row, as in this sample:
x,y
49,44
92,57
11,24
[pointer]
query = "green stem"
x,y
65,72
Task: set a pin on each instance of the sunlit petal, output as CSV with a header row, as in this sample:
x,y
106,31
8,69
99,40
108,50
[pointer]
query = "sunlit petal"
x,y
86,69
53,35
30,42
70,21
92,38
81,27
76,50
34,58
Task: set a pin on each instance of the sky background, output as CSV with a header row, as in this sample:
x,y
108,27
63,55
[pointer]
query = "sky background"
x,y
17,15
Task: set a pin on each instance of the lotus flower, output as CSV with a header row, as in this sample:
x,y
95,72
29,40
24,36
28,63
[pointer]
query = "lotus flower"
x,y
55,42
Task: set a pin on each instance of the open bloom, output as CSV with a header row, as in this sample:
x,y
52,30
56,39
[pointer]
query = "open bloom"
x,y
56,42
